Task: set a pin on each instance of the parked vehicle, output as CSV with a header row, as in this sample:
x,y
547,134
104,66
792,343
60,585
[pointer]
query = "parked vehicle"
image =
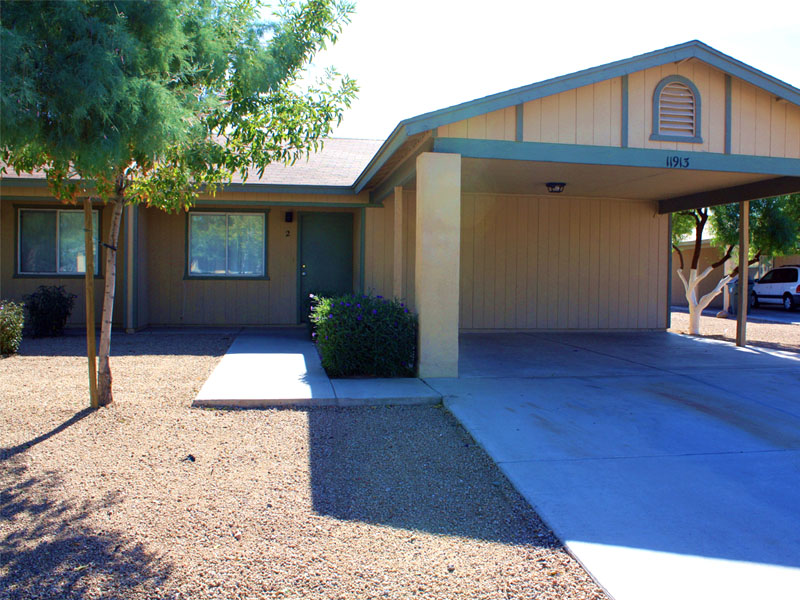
x,y
778,286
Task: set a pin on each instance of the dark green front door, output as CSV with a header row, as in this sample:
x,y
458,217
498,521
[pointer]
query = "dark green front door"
x,y
325,256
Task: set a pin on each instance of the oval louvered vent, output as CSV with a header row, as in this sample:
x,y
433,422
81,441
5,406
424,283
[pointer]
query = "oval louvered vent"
x,y
676,110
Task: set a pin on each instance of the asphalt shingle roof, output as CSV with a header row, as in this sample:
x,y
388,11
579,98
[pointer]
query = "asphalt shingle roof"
x,y
338,163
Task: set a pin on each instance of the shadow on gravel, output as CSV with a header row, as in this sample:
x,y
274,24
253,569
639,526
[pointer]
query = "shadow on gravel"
x,y
6,453
49,549
126,344
414,468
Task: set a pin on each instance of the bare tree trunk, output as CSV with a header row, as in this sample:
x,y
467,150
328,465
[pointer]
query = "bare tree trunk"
x,y
104,368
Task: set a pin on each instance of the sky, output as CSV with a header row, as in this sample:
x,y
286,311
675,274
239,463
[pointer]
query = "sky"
x,y
413,56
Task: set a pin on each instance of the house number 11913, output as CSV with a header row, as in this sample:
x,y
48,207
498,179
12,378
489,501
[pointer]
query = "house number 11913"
x,y
678,162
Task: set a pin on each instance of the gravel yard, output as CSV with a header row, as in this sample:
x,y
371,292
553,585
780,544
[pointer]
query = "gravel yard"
x,y
150,498
777,336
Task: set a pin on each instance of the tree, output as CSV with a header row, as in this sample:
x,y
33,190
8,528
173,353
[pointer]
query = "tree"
x,y
153,103
774,231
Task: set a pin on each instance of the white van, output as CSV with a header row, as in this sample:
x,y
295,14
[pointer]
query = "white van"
x,y
778,286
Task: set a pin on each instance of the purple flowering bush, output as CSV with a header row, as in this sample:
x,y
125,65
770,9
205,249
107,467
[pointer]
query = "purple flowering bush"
x,y
12,318
364,335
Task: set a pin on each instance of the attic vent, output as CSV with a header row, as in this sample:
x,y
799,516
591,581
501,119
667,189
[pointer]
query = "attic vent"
x,y
676,111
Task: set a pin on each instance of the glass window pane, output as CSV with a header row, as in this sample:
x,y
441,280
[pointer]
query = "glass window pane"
x,y
246,245
207,244
37,241
71,245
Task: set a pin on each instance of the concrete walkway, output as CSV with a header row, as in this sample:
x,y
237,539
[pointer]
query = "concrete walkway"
x,y
280,367
668,465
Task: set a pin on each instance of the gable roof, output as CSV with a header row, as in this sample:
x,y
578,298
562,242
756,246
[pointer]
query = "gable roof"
x,y
459,112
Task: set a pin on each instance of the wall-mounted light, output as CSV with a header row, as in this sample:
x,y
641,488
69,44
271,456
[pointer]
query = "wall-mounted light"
x,y
555,187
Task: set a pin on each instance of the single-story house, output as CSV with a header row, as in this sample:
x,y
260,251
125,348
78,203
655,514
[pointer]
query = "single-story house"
x,y
545,207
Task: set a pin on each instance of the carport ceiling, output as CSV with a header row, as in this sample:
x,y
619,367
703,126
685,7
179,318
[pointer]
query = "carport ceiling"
x,y
479,175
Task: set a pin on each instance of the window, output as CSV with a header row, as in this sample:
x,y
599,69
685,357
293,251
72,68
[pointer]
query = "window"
x,y
50,242
676,111
227,244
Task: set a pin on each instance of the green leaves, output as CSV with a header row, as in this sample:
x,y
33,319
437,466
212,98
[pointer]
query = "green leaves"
x,y
158,101
364,335
774,226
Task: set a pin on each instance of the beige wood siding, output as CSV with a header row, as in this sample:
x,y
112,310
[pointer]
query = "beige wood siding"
x,y
379,246
379,263
174,300
589,115
534,262
497,125
143,314
710,84
708,255
409,245
761,125
14,288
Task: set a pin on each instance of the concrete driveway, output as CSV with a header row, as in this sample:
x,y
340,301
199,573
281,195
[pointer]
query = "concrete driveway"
x,y
669,465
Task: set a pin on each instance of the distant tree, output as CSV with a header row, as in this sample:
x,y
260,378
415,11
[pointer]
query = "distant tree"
x,y
155,102
774,231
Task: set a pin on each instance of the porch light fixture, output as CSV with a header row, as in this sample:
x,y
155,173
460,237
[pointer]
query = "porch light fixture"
x,y
555,187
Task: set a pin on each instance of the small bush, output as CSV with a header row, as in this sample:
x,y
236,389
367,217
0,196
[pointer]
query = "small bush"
x,y
12,317
365,335
308,307
49,308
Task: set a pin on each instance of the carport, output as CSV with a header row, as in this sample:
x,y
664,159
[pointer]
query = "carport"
x,y
547,206
668,465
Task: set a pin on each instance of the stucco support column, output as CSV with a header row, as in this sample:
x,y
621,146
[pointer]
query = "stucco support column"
x,y
438,246
397,262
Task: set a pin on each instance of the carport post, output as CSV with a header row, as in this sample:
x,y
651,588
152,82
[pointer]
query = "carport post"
x,y
437,260
744,251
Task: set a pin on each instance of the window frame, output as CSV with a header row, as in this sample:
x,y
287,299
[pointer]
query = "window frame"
x,y
187,274
656,135
20,274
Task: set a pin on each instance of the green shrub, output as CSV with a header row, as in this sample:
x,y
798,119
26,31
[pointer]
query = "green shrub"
x,y
365,335
308,305
49,308
12,317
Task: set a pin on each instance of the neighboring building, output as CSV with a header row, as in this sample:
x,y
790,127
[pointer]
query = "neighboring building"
x,y
453,213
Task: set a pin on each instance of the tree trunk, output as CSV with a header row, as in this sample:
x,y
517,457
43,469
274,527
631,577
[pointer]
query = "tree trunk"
x,y
104,368
697,306
89,277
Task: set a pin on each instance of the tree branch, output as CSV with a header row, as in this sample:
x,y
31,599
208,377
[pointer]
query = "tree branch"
x,y
752,261
701,218
680,254
722,260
